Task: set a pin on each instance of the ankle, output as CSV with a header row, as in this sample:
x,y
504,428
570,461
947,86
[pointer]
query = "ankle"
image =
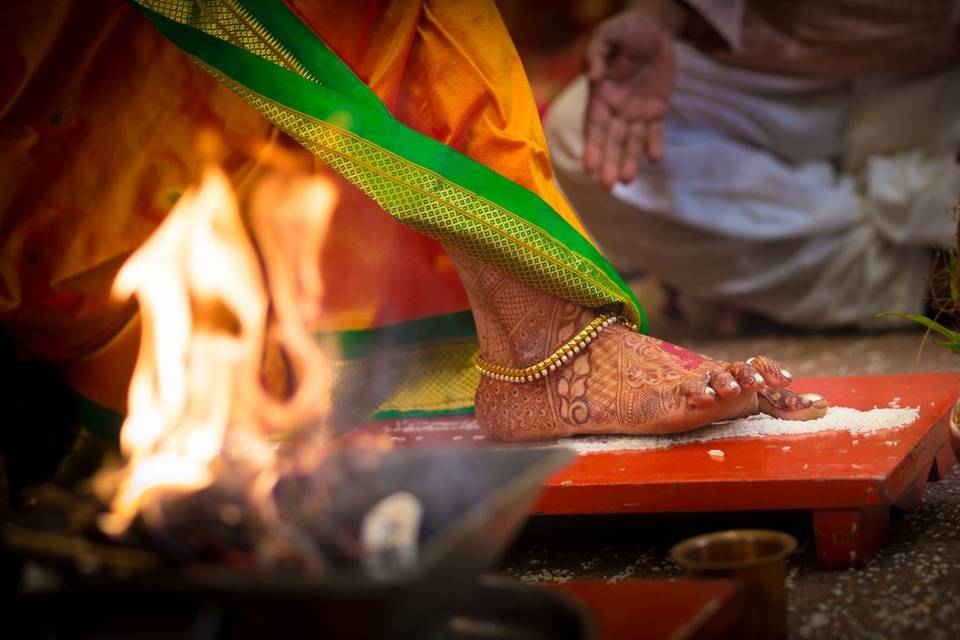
x,y
558,358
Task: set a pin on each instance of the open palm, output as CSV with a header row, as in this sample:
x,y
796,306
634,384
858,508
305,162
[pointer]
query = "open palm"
x,y
631,67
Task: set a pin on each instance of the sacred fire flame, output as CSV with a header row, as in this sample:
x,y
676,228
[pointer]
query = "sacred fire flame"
x,y
221,314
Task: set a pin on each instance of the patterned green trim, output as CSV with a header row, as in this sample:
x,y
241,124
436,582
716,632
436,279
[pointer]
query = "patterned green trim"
x,y
106,423
401,415
428,378
452,332
249,26
420,181
363,343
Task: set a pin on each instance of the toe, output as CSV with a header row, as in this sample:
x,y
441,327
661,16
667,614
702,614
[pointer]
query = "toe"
x,y
748,377
785,404
772,372
724,384
698,394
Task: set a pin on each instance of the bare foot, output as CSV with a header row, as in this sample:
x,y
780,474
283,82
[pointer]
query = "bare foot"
x,y
622,383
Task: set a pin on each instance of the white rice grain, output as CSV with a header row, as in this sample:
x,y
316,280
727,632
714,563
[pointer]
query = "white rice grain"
x,y
836,419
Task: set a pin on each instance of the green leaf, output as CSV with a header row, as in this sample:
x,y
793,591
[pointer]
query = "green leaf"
x,y
953,346
951,336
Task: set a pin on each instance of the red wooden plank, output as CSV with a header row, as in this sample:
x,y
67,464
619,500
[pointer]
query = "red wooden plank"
x,y
848,481
818,471
849,537
655,610
827,470
944,460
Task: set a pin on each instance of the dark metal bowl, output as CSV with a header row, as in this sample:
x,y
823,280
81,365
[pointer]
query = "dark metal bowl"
x,y
466,534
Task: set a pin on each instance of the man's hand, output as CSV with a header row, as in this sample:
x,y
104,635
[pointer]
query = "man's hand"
x,y
631,67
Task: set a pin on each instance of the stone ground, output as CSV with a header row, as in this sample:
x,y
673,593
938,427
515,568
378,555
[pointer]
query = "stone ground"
x,y
910,590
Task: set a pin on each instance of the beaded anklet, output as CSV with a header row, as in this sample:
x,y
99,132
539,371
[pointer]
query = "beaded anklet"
x,y
554,361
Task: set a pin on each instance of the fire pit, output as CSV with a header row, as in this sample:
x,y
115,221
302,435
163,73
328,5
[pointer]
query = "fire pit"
x,y
242,507
78,590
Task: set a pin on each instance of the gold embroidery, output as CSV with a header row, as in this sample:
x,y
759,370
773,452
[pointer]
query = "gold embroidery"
x,y
226,20
419,198
441,209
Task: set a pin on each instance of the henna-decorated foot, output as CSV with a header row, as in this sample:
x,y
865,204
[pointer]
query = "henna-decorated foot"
x,y
623,383
626,383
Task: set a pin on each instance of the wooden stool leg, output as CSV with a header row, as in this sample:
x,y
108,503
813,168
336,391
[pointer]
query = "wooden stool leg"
x,y
849,537
912,495
942,463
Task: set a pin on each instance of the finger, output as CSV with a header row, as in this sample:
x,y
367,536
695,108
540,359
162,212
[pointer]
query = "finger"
x,y
596,54
596,57
655,140
612,152
772,372
753,405
748,377
787,405
597,121
698,394
631,154
724,384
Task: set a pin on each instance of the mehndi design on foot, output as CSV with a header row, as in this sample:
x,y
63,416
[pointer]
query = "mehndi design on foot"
x,y
621,383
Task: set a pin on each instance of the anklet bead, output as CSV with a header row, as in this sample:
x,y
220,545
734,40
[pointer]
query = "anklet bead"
x,y
554,361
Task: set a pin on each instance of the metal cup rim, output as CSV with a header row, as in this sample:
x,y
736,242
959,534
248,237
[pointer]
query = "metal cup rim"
x,y
678,551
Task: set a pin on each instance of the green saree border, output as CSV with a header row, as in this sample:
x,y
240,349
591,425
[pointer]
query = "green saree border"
x,y
298,93
319,61
106,423
361,343
403,415
353,345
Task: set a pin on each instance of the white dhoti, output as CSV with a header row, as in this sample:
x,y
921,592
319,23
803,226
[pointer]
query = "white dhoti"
x,y
815,202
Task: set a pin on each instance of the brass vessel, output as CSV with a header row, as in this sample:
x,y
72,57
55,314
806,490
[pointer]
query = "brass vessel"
x,y
755,558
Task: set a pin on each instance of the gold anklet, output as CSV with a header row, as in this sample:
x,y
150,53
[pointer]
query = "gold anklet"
x,y
554,361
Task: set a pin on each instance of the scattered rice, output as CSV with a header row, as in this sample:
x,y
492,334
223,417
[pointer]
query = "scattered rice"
x,y
423,426
837,419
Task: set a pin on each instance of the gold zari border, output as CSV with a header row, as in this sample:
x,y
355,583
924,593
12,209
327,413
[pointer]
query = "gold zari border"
x,y
427,202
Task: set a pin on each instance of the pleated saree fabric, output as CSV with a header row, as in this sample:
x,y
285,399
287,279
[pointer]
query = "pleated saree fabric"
x,y
423,107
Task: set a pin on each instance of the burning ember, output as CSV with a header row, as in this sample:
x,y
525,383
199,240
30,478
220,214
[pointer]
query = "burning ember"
x,y
236,490
222,314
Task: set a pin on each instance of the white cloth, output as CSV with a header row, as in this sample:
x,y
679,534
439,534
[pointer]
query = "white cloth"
x,y
815,202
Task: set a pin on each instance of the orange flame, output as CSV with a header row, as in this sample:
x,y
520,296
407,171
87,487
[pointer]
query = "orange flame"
x,y
210,313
